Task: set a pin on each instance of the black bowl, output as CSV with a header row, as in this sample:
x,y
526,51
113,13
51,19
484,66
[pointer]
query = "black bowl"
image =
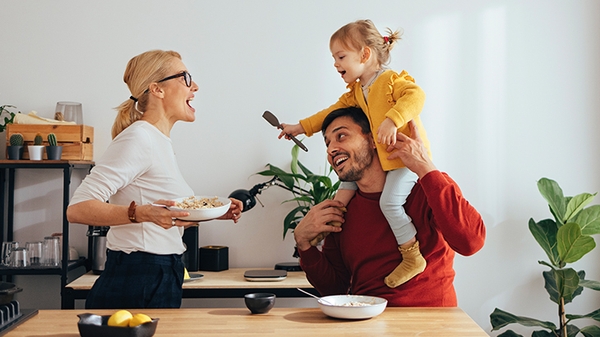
x,y
259,303
91,325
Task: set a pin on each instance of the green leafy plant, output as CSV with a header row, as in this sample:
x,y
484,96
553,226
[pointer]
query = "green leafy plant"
x,y
566,239
51,139
308,188
16,139
38,140
6,116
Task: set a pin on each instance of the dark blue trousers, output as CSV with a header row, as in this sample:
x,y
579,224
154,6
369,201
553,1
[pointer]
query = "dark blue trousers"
x,y
138,280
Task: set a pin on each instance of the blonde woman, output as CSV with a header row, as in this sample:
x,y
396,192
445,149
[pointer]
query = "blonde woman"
x,y
138,171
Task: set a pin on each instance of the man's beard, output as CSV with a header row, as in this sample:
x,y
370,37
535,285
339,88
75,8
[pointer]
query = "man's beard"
x,y
363,158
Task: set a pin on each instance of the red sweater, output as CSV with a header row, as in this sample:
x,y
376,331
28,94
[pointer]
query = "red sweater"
x,y
357,259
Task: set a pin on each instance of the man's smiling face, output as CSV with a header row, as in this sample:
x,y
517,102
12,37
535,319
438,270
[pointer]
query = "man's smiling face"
x,y
349,151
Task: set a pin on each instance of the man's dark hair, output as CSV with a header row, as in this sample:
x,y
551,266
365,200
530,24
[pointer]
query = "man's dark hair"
x,y
354,112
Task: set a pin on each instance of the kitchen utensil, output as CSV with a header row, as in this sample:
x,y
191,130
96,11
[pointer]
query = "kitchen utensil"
x,y
7,291
352,306
317,297
70,111
206,213
275,122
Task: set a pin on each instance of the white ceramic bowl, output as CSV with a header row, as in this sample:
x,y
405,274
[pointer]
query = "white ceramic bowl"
x,y
352,306
201,214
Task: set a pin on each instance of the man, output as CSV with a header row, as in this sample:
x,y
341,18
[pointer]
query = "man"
x,y
356,257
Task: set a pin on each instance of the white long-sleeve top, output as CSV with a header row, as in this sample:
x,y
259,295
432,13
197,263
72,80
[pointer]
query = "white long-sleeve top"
x,y
139,165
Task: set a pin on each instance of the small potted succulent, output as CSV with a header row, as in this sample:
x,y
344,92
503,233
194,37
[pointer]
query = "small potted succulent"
x,y
15,149
37,149
53,150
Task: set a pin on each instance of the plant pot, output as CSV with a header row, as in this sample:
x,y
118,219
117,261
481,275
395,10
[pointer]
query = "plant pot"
x,y
14,152
35,152
54,152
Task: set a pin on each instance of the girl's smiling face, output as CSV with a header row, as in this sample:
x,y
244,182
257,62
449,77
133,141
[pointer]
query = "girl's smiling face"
x,y
349,63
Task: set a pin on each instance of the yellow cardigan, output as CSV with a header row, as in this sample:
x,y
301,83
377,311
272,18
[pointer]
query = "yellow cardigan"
x,y
392,95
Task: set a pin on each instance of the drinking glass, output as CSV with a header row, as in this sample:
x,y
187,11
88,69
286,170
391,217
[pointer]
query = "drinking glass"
x,y
34,252
19,258
71,111
51,254
7,249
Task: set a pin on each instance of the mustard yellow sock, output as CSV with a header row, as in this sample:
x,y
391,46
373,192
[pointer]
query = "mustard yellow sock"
x,y
413,263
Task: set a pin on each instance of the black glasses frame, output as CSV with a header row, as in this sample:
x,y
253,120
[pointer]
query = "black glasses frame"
x,y
187,77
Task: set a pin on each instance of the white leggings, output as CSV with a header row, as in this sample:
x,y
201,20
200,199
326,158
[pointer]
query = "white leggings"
x,y
398,184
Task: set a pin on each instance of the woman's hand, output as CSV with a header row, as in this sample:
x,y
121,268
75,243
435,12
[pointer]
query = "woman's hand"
x,y
161,215
234,212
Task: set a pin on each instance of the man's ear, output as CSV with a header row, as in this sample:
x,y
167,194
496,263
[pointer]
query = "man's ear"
x,y
366,54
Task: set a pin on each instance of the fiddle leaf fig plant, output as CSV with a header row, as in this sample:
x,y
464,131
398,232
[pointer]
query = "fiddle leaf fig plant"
x,y
308,188
565,239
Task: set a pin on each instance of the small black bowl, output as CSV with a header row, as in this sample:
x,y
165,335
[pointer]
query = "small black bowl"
x,y
259,303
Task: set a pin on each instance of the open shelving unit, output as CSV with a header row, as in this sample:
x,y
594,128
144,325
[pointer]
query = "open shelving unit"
x,y
8,170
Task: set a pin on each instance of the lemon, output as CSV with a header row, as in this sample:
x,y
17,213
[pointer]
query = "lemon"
x,y
138,319
186,275
120,318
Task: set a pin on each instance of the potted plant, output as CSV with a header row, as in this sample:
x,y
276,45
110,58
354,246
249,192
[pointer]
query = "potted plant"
x,y
37,149
53,150
307,188
6,116
566,239
15,149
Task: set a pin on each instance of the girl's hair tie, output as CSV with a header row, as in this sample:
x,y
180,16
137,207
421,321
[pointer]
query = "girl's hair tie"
x,y
133,99
386,39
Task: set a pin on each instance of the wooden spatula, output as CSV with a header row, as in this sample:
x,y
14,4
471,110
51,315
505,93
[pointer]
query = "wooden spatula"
x,y
275,122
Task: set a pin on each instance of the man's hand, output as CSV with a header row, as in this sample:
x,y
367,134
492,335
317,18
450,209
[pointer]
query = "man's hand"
x,y
412,152
315,222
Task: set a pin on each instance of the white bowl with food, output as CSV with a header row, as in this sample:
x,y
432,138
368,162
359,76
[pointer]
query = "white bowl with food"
x,y
201,207
352,306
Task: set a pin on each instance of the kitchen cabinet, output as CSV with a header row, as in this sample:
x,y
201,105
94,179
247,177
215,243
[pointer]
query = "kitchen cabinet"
x,y
8,171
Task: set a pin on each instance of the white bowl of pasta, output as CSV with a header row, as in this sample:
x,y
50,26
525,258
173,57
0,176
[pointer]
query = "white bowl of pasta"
x,y
352,306
202,207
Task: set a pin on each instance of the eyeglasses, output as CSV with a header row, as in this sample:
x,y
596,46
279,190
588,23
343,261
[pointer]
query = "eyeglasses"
x,y
186,77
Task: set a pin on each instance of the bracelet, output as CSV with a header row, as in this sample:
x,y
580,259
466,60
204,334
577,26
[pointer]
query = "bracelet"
x,y
131,212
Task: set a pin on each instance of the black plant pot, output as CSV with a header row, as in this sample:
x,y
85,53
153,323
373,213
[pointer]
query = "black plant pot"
x,y
54,152
14,152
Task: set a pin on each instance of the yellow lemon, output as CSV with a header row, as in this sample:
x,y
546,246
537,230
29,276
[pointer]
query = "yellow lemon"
x,y
186,275
138,319
120,318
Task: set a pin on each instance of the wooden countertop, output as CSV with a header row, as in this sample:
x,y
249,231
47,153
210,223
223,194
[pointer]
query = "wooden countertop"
x,y
227,279
430,322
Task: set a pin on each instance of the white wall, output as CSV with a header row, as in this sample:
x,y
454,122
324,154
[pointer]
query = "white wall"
x,y
512,96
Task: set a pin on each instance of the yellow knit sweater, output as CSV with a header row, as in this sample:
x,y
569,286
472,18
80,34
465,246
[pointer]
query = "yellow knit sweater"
x,y
392,95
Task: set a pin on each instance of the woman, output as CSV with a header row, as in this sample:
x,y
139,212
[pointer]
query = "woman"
x,y
137,172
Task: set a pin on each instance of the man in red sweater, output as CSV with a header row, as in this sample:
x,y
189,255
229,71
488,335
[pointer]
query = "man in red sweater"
x,y
356,257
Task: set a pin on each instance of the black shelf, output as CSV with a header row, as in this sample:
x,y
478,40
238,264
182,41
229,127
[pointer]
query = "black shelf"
x,y
8,170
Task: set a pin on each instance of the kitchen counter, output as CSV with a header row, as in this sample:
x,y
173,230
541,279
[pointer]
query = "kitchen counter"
x,y
430,322
214,284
